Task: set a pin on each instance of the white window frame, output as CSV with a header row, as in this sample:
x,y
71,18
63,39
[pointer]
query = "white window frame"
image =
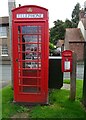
x,y
5,49
3,32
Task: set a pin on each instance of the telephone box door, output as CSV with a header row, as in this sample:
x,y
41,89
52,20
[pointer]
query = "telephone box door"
x,y
29,66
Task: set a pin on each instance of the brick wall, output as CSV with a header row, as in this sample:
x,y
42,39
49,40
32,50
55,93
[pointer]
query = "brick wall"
x,y
78,48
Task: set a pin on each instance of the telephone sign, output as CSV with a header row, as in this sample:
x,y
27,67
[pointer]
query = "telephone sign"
x,y
30,48
29,16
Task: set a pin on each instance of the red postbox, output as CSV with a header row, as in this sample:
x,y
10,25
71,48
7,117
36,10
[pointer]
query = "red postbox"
x,y
67,61
30,48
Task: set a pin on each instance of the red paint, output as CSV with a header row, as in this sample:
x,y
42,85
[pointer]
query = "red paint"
x,y
30,48
67,61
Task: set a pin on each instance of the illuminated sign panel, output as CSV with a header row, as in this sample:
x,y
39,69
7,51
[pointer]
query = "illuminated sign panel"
x,y
29,16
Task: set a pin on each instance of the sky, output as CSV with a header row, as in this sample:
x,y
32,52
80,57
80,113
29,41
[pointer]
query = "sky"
x,y
58,9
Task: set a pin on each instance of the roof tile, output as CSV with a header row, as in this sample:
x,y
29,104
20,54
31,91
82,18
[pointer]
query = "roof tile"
x,y
84,22
74,35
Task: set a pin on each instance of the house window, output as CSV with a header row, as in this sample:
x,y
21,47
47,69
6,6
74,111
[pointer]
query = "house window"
x,y
3,32
4,50
78,44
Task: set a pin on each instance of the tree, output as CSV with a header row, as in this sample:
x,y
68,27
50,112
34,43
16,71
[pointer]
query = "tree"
x,y
68,24
75,15
58,31
51,48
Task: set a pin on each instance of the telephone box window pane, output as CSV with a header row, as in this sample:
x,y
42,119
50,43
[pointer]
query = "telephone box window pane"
x,y
31,65
39,47
30,47
31,89
39,64
39,38
31,56
39,56
31,73
19,29
19,47
28,64
31,29
29,81
39,29
30,38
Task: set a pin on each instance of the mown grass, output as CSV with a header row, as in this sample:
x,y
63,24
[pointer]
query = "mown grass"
x,y
79,88
8,107
59,105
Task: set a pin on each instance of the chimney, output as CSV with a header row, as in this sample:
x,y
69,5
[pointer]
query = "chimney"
x,y
19,5
81,14
85,6
11,5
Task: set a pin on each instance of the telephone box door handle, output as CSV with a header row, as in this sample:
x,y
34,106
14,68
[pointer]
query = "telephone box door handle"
x,y
16,59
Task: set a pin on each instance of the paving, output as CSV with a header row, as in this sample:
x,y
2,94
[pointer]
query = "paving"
x,y
4,83
66,86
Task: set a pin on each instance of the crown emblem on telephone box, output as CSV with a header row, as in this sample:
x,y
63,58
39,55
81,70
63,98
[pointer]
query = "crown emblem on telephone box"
x,y
29,10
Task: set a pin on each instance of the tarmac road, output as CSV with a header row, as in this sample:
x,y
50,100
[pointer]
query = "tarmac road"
x,y
79,72
5,74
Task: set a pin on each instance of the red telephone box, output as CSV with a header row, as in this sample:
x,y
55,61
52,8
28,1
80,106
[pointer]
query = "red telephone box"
x,y
30,43
67,61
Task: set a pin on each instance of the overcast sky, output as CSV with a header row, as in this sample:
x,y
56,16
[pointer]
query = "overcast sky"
x,y
58,9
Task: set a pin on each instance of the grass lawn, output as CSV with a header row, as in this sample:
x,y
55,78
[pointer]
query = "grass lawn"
x,y
60,106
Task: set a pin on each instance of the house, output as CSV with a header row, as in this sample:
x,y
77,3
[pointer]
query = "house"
x,y
82,23
74,41
59,43
60,46
4,40
75,38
